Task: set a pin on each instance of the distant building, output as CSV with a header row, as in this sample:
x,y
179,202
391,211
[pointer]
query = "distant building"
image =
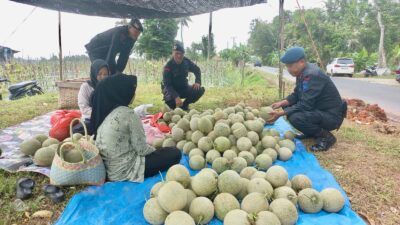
x,y
6,54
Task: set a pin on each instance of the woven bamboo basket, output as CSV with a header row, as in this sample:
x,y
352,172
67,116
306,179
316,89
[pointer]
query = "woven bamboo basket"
x,y
68,92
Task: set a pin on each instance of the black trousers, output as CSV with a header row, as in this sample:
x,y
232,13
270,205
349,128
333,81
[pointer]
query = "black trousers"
x,y
161,160
312,123
78,128
111,65
189,94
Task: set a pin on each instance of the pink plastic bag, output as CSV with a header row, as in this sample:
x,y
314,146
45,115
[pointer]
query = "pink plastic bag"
x,y
150,131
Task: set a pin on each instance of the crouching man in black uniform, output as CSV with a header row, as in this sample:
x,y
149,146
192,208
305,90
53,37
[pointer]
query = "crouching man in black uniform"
x,y
175,85
315,107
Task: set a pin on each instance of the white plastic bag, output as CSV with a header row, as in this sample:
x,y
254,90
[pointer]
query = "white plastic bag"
x,y
141,110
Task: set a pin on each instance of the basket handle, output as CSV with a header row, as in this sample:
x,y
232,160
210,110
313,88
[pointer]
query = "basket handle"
x,y
84,127
63,144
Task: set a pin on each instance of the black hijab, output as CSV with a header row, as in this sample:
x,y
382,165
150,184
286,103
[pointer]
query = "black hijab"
x,y
94,70
110,93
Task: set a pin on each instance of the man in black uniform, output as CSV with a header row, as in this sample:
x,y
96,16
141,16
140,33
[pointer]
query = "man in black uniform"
x,y
315,107
175,85
117,40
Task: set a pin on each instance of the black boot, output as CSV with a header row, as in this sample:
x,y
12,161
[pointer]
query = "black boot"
x,y
325,140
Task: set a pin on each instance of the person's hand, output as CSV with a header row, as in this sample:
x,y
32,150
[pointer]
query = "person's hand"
x,y
280,104
274,116
196,86
178,102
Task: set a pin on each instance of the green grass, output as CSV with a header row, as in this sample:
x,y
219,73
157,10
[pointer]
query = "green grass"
x,y
14,112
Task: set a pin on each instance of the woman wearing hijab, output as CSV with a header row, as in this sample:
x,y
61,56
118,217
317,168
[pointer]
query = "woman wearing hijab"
x,y
98,71
120,135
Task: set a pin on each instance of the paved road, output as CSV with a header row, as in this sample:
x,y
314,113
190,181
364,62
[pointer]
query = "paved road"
x,y
386,96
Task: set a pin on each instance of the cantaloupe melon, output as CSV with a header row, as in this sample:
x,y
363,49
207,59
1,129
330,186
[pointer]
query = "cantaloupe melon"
x,y
229,155
236,217
184,124
204,125
175,119
196,136
156,187
272,153
285,154
180,174
179,111
222,144
260,185
267,218
172,196
204,183
284,210
201,210
212,155
263,162
254,203
220,165
258,174
274,132
29,147
196,151
44,156
238,164
193,123
243,191
254,138
237,118
268,142
300,182
285,192
153,213
167,116
197,162
77,136
219,115
249,116
224,203
222,129
177,134
229,182
244,144
72,156
158,142
41,137
169,142
180,144
190,197
288,144
310,200
333,200
277,176
265,113
239,130
179,218
205,144
289,135
248,157
248,172
188,147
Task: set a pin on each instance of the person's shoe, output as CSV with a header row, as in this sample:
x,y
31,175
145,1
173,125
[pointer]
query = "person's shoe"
x,y
24,188
54,193
324,142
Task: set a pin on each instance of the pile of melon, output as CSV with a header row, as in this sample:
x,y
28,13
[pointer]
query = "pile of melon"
x,y
230,138
43,149
246,198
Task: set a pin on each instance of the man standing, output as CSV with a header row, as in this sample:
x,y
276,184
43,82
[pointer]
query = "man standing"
x,y
117,40
315,107
175,85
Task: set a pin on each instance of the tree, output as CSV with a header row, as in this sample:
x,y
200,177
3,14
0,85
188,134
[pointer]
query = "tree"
x,y
158,39
183,22
204,47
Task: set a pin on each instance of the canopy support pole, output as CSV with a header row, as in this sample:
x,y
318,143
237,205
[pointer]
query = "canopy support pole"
x,y
281,44
60,55
209,38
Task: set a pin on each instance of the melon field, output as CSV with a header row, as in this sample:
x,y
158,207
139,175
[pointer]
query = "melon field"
x,y
364,162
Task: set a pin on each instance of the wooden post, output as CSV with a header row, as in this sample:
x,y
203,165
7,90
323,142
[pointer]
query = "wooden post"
x,y
209,38
281,44
60,56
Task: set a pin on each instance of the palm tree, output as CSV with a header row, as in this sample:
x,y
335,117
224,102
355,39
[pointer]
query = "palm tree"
x,y
183,22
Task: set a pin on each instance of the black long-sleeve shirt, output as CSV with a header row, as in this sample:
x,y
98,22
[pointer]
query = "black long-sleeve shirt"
x,y
175,77
110,43
314,91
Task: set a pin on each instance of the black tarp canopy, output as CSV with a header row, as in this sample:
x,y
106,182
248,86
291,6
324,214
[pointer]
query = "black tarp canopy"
x,y
143,9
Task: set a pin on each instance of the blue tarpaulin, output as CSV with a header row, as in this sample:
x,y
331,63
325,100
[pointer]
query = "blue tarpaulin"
x,y
122,202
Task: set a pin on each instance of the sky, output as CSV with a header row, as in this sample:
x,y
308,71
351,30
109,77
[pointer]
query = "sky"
x,y
37,36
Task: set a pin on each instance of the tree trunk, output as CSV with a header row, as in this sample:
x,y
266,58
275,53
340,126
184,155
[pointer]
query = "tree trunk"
x,y
182,34
381,51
